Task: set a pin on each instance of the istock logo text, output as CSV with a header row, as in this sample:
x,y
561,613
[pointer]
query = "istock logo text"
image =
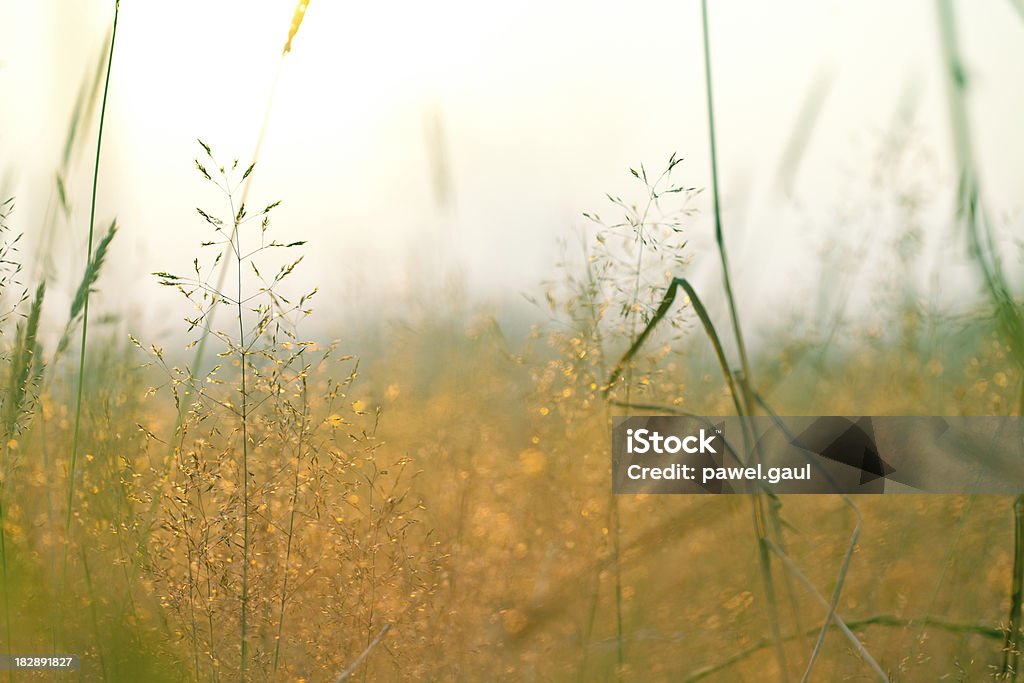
x,y
645,441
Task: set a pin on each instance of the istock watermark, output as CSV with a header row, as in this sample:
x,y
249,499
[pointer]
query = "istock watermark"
x,y
823,454
646,441
772,475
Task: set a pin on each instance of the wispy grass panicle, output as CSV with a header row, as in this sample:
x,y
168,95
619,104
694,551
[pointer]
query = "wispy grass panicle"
x,y
261,314
246,180
13,399
24,367
86,287
12,295
274,497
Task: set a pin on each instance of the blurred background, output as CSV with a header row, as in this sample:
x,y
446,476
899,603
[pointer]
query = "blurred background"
x,y
417,141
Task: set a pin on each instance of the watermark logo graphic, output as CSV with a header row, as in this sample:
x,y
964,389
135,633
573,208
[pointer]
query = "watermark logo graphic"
x,y
648,441
818,454
848,442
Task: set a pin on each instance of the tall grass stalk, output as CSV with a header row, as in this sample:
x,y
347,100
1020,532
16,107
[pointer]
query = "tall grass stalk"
x,y
593,320
973,219
236,246
347,673
746,380
75,441
17,396
833,616
200,349
59,204
303,428
766,508
970,207
92,615
1011,642
293,29
643,234
243,347
719,233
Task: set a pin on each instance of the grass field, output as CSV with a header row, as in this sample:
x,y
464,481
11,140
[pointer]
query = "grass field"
x,y
429,497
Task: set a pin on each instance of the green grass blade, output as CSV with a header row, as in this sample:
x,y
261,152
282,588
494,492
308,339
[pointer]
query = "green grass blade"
x,y
75,440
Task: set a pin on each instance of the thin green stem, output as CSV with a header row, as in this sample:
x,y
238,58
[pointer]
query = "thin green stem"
x,y
746,381
663,308
1012,642
93,615
719,234
85,311
884,620
765,563
972,216
208,322
291,521
620,651
245,450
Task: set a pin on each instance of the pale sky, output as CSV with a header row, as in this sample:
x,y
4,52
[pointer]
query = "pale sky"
x,y
544,106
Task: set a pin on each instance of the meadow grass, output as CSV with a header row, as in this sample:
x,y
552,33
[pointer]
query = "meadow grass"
x,y
334,561
439,508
